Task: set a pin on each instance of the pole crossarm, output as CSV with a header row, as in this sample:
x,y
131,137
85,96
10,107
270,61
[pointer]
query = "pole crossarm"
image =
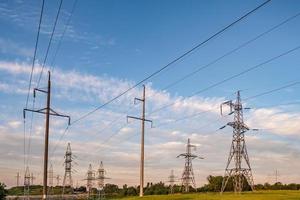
x,y
44,111
139,118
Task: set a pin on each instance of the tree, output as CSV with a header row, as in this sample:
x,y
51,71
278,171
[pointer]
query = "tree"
x,y
3,191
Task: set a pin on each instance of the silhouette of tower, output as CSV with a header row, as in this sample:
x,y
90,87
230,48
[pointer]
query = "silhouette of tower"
x,y
89,180
100,178
50,179
18,179
26,182
172,181
67,181
238,151
57,180
32,178
188,174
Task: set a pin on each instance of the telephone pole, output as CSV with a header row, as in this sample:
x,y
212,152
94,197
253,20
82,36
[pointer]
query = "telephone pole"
x,y
18,178
143,100
238,150
188,174
46,111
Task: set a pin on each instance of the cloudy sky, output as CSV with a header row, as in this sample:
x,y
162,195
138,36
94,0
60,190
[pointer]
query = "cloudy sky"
x,y
109,46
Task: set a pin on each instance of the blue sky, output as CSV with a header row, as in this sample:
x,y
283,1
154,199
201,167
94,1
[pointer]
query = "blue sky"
x,y
110,45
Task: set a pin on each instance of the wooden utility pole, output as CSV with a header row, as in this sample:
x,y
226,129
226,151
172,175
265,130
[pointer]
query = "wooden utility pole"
x,y
47,111
143,100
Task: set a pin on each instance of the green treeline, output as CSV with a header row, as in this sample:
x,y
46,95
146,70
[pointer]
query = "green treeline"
x,y
214,185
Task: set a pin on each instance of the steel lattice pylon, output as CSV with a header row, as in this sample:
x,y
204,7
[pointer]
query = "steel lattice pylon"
x,y
188,174
172,178
100,178
68,182
27,180
238,151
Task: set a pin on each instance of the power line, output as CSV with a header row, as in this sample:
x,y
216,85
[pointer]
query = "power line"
x,y
35,50
230,52
221,57
63,34
273,90
45,59
173,61
233,76
30,81
49,44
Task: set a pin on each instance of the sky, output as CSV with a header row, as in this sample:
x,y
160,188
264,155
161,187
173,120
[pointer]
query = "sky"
x,y
109,46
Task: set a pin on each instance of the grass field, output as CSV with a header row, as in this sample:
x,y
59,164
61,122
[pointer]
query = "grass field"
x,y
259,195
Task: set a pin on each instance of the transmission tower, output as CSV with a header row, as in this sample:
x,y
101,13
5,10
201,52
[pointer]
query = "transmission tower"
x,y
143,120
100,178
172,181
57,180
238,151
89,179
188,174
18,178
26,182
51,179
67,181
32,178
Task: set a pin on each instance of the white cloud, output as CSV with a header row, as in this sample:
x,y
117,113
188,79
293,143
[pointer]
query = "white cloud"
x,y
163,144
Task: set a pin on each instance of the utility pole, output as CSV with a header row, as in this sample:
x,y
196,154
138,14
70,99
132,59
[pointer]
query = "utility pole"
x,y
188,174
238,150
46,111
143,100
18,178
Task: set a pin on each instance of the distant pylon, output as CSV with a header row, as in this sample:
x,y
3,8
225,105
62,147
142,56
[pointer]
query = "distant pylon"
x,y
172,181
32,178
18,178
238,150
57,180
51,179
51,175
68,182
89,180
100,178
188,174
26,182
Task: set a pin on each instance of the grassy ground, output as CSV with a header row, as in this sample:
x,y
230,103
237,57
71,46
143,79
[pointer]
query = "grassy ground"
x,y
259,195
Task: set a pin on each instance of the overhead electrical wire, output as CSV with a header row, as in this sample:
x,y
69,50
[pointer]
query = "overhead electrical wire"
x,y
226,54
30,80
232,77
198,69
173,61
63,35
49,43
35,51
40,76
